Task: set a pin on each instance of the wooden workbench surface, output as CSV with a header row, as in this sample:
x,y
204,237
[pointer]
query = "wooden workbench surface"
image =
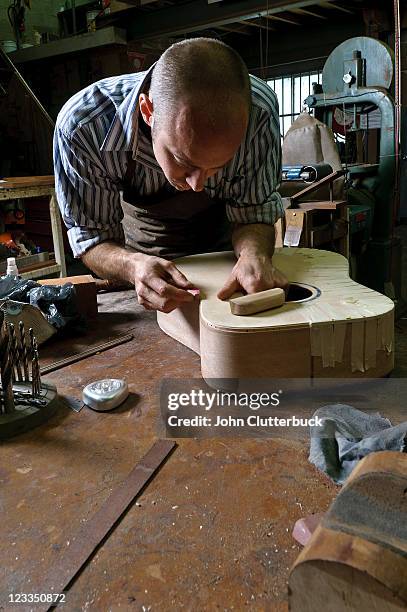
x,y
211,531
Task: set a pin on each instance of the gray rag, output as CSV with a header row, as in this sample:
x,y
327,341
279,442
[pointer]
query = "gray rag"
x,y
347,435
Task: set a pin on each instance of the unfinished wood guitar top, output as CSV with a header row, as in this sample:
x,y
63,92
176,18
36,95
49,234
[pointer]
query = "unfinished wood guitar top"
x,y
343,329
340,298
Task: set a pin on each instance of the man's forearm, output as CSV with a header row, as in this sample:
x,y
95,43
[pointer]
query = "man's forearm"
x,y
111,261
157,281
256,239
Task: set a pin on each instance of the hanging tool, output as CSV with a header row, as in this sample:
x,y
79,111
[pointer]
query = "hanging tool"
x,y
16,17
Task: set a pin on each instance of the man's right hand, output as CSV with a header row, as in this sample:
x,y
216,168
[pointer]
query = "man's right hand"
x,y
159,284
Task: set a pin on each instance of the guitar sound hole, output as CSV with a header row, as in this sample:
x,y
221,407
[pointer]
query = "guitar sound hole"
x,y
299,293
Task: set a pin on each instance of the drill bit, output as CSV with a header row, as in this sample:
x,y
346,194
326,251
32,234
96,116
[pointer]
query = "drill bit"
x,y
35,375
17,373
39,385
32,346
6,367
31,335
23,342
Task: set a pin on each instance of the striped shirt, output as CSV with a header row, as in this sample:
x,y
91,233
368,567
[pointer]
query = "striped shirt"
x,y
96,132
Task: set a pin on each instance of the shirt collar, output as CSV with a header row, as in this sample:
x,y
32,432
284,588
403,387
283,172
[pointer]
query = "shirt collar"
x,y
123,131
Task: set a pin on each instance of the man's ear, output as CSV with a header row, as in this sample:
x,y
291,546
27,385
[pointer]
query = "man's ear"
x,y
146,109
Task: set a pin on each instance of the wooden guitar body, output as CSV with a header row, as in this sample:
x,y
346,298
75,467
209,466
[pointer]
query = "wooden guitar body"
x,y
339,329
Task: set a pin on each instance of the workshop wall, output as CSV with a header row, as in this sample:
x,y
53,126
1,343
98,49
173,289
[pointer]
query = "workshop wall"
x,y
42,18
315,43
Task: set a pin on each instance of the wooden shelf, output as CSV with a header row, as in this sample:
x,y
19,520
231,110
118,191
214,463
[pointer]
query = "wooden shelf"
x,y
33,187
90,40
41,271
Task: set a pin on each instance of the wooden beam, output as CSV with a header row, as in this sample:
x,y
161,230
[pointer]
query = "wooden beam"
x,y
257,24
284,19
301,11
238,30
328,4
197,15
136,3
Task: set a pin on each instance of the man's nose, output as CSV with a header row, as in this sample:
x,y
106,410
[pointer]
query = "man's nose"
x,y
196,180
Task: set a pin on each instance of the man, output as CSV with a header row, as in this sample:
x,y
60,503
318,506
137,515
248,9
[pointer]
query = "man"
x,y
194,145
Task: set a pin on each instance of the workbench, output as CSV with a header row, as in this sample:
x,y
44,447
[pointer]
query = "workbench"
x,y
211,531
35,187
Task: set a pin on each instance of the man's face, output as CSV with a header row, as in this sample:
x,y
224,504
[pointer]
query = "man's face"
x,y
192,149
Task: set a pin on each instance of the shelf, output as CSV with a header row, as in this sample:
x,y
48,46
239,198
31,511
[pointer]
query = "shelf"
x,y
26,261
41,272
82,42
34,187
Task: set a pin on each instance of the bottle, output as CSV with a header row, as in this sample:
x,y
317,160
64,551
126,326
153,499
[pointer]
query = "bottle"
x,y
12,269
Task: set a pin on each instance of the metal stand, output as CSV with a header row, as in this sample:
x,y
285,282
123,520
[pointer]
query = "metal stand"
x,y
25,401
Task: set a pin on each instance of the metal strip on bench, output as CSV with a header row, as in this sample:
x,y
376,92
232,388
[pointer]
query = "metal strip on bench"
x,y
91,535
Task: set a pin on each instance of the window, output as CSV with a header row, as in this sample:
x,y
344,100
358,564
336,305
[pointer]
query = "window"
x,y
291,92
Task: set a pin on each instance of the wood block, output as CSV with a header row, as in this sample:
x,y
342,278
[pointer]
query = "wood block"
x,y
322,205
356,558
85,288
257,302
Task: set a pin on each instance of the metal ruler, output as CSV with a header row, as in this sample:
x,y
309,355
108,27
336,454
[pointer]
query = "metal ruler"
x,y
73,557
56,365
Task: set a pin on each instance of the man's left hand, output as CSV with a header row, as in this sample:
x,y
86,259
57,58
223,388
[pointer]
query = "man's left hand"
x,y
251,274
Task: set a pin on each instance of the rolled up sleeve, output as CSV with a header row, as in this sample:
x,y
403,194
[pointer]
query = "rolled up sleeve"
x,y
88,198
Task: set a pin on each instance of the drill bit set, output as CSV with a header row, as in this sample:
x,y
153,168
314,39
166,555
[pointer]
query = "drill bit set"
x,y
25,401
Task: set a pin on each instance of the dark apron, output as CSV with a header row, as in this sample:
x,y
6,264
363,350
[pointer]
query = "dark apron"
x,y
173,224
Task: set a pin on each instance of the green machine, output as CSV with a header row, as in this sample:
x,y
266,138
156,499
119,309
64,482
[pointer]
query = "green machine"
x,y
356,103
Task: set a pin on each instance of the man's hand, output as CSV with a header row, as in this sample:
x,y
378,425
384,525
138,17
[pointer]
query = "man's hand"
x,y
159,284
254,270
252,274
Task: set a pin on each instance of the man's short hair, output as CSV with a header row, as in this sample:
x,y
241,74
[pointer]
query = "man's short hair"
x,y
204,72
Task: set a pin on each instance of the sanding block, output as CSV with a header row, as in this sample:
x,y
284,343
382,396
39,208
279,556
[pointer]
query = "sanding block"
x,y
257,302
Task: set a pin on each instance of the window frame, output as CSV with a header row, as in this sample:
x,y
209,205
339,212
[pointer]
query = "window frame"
x,y
296,102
